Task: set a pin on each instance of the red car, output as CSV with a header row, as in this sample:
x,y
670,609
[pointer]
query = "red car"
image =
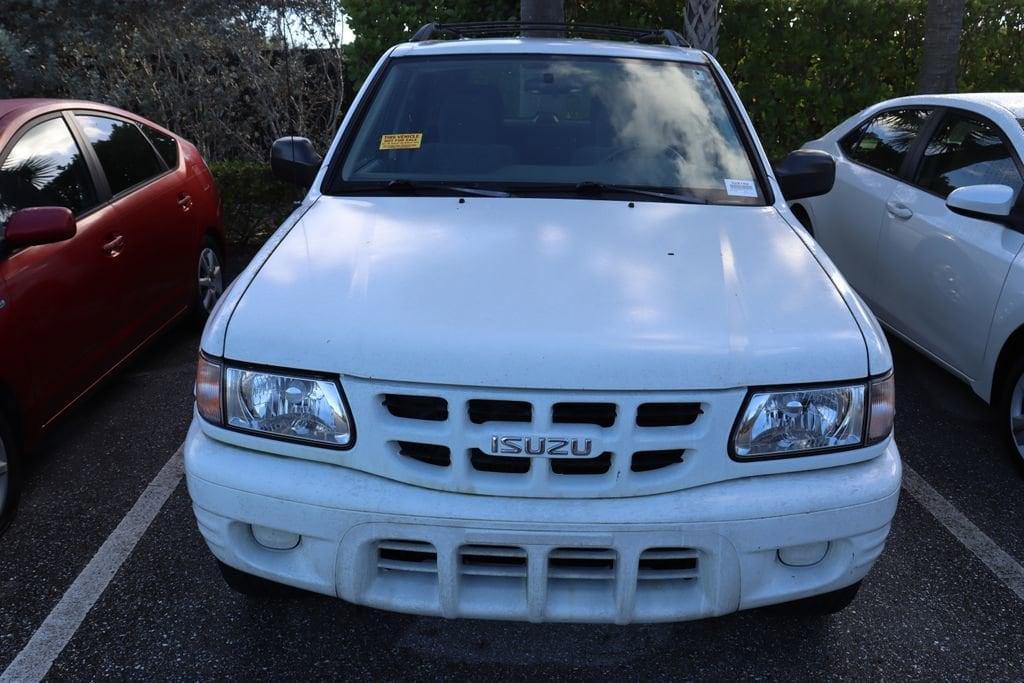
x,y
110,231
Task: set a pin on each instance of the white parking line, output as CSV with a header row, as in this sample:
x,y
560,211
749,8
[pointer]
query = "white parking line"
x,y
999,562
49,640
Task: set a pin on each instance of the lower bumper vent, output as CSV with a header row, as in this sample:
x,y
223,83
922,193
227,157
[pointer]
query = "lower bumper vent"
x,y
582,563
668,564
406,556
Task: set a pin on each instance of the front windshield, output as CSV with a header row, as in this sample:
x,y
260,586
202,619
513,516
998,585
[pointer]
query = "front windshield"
x,y
520,122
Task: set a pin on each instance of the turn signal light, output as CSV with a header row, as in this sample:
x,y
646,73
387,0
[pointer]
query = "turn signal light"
x,y
883,408
208,394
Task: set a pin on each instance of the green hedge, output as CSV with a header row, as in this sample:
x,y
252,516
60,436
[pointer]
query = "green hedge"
x,y
254,202
803,66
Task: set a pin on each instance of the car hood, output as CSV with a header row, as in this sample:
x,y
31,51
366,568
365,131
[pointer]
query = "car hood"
x,y
547,293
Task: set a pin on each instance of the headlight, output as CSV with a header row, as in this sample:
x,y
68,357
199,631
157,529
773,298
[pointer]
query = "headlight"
x,y
285,405
800,421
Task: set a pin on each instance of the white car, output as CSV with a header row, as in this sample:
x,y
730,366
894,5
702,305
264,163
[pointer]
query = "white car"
x,y
926,221
544,342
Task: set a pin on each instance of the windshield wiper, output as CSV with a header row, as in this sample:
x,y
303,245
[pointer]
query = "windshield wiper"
x,y
402,186
593,188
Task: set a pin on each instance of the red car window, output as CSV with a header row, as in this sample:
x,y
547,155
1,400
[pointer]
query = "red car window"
x,y
45,168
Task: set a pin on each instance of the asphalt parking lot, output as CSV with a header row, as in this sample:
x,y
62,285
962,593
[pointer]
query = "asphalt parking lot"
x,y
931,608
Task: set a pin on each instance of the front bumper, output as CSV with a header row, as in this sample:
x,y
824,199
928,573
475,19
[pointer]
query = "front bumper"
x,y
394,546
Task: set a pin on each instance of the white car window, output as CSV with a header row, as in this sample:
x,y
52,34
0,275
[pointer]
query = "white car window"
x,y
883,142
967,151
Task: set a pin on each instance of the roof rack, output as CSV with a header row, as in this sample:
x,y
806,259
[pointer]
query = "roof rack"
x,y
479,29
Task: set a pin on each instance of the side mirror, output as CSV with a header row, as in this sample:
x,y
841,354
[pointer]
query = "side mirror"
x,y
294,160
41,225
806,173
988,202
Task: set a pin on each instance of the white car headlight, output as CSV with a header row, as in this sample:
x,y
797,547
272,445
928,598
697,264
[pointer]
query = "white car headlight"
x,y
801,421
283,404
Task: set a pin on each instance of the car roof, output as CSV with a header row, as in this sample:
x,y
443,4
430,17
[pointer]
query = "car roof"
x,y
557,46
15,112
1012,102
17,104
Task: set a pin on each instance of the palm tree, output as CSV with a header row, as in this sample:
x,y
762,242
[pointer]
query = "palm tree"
x,y
702,21
940,58
543,11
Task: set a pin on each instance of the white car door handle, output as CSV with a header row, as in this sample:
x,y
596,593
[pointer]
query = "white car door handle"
x,y
899,210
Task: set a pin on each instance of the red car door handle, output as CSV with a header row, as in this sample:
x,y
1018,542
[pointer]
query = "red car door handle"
x,y
185,201
114,246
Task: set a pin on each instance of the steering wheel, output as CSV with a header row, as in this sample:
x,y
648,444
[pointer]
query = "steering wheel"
x,y
634,150
546,118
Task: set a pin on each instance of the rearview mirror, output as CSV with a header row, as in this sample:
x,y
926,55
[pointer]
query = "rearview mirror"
x,y
805,173
40,225
294,160
988,202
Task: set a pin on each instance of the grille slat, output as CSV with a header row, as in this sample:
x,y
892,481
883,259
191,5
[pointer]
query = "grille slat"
x,y
406,556
431,408
667,414
483,410
648,461
599,465
438,456
589,564
485,462
666,575
582,554
495,561
668,564
600,414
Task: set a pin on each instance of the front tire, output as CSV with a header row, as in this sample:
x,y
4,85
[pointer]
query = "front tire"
x,y
819,605
209,279
253,586
1010,412
10,474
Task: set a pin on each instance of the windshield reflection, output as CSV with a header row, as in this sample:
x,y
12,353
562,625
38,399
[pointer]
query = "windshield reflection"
x,y
517,120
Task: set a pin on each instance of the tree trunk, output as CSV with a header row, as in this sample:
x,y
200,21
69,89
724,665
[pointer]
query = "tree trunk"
x,y
545,11
940,58
702,22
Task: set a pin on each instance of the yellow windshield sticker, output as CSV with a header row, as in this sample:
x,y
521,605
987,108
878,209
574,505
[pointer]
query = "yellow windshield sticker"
x,y
401,141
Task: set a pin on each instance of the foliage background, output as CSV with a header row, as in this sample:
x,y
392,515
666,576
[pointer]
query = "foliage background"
x,y
217,71
800,66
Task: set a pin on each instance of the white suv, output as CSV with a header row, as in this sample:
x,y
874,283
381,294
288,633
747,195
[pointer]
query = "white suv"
x,y
544,342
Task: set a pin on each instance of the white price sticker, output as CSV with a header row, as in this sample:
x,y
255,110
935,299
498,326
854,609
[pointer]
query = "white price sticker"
x,y
740,188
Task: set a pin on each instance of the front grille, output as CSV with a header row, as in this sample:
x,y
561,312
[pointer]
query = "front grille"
x,y
540,443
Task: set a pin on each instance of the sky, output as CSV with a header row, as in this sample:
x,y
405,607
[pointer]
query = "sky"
x,y
301,40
